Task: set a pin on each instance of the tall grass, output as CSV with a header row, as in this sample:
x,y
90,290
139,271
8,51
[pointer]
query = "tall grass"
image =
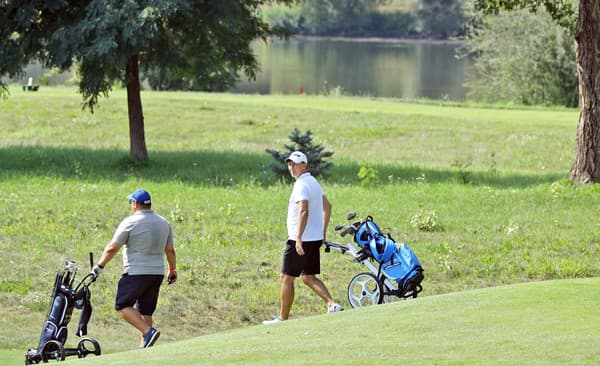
x,y
494,177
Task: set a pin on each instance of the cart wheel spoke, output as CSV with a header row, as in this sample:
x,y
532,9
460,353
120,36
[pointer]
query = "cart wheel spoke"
x,y
364,290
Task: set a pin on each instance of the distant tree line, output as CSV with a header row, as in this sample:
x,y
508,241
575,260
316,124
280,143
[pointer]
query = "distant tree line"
x,y
522,58
362,18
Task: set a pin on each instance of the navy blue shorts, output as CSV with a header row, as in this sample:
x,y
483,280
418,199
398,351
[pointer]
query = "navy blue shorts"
x,y
140,291
307,264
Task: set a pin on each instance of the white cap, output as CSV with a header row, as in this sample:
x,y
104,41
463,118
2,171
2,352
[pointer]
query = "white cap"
x,y
297,157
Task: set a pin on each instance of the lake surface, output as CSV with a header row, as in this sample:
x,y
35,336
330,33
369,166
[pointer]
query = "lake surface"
x,y
375,68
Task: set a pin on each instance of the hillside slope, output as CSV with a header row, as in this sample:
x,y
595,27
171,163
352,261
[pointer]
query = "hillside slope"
x,y
541,323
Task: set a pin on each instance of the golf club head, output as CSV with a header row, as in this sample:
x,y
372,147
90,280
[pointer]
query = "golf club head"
x,y
345,231
70,266
339,227
350,215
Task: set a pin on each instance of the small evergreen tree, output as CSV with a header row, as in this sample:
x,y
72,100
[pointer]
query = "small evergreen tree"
x,y
301,142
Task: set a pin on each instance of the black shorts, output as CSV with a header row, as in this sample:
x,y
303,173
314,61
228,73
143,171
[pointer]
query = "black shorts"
x,y
140,291
307,264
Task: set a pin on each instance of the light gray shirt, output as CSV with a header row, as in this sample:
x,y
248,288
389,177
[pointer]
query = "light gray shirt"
x,y
144,236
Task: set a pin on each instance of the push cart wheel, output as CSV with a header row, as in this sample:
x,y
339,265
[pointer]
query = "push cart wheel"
x,y
364,290
52,350
87,346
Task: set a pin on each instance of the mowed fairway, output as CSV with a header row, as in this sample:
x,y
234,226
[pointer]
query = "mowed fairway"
x,y
495,178
546,323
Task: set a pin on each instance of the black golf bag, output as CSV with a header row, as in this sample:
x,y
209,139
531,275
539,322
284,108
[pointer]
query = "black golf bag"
x,y
64,298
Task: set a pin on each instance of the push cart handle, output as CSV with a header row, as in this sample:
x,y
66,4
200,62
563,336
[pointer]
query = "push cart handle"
x,y
337,246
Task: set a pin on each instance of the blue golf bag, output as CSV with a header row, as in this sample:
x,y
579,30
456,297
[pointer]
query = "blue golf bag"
x,y
397,261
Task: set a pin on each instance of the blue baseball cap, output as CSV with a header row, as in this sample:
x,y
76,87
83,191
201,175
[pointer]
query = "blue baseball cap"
x,y
140,196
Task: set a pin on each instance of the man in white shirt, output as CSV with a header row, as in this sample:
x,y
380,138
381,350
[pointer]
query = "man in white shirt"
x,y
307,220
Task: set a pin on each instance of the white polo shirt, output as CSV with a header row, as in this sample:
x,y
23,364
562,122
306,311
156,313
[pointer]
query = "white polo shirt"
x,y
306,188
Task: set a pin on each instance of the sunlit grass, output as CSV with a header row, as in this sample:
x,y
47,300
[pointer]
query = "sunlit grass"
x,y
546,323
495,178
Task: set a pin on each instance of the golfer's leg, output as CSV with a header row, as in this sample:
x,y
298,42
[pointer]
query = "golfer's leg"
x,y
319,287
286,295
147,319
134,318
149,322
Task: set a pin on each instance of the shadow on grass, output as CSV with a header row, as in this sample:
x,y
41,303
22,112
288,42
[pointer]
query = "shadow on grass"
x,y
217,168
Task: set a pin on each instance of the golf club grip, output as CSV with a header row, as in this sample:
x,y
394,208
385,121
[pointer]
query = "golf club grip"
x,y
91,260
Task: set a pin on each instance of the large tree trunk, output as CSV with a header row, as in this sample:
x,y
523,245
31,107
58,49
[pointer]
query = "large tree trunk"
x,y
586,167
137,139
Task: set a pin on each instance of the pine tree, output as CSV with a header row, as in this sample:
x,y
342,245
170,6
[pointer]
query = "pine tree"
x,y
315,153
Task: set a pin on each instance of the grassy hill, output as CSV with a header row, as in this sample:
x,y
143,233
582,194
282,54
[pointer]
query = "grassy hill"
x,y
543,323
492,177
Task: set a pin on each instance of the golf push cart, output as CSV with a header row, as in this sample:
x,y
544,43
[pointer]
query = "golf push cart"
x,y
395,270
67,294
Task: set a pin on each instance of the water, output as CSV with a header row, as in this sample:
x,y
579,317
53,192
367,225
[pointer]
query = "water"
x,y
374,68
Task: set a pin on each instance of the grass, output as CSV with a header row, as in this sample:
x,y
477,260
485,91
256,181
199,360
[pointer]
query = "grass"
x,y
544,323
495,177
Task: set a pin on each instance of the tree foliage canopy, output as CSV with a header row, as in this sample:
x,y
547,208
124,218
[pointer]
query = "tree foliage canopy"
x,y
563,11
522,67
444,18
201,41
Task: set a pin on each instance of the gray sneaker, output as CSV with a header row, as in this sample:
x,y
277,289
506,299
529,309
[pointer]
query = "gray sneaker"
x,y
151,337
273,321
334,308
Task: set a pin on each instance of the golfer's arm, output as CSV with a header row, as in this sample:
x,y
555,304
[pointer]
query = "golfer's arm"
x,y
326,215
171,257
302,219
109,252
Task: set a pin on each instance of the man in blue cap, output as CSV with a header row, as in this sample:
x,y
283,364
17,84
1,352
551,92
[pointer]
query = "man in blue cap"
x,y
147,239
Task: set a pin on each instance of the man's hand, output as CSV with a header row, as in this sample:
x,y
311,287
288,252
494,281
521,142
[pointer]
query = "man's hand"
x,y
96,270
172,277
299,248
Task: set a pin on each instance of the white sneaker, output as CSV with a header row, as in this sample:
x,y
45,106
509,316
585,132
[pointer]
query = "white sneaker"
x,y
273,321
335,308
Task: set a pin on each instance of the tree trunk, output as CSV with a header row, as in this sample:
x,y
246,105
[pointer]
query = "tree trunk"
x,y
586,167
137,139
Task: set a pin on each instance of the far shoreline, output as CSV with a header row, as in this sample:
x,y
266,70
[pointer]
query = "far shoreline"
x,y
377,39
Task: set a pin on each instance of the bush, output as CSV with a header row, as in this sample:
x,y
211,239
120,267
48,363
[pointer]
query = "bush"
x,y
522,58
368,175
425,220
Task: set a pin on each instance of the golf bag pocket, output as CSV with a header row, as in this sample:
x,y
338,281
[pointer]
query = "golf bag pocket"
x,y
382,248
404,267
366,232
58,317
